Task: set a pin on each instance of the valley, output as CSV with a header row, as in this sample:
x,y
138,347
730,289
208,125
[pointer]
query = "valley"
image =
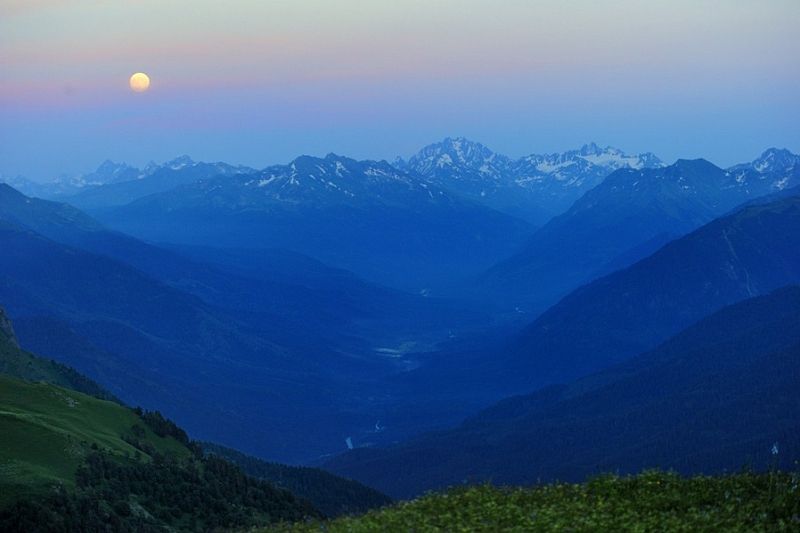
x,y
411,376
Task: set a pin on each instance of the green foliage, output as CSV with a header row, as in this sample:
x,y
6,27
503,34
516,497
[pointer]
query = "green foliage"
x,y
333,495
164,427
187,495
651,501
47,431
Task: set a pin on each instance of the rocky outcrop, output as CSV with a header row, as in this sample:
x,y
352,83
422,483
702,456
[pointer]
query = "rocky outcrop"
x,y
6,329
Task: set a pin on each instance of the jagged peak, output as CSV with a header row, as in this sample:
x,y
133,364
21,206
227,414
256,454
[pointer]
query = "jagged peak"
x,y
456,145
777,152
332,156
308,163
306,159
110,166
454,141
593,149
771,160
180,162
775,159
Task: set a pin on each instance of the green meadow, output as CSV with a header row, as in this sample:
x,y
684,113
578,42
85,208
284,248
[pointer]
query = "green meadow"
x,y
47,431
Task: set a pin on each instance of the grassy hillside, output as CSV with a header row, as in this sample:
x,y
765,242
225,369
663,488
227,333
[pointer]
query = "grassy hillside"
x,y
48,431
72,462
652,501
52,418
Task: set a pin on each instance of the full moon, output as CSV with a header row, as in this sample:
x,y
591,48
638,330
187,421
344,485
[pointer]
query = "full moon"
x,y
139,82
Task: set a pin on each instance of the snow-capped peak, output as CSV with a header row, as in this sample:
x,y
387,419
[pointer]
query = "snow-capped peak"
x,y
593,149
774,170
180,162
615,158
457,158
454,151
775,160
590,158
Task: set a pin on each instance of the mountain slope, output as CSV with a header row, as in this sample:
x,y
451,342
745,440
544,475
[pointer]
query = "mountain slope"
x,y
48,218
257,285
716,396
625,218
748,253
20,364
41,422
365,216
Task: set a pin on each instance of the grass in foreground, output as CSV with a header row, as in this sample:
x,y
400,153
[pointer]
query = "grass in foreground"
x,y
651,501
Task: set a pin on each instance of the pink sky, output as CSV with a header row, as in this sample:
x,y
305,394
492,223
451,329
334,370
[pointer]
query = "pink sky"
x,y
261,82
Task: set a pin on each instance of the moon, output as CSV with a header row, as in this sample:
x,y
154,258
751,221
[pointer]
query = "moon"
x,y
139,82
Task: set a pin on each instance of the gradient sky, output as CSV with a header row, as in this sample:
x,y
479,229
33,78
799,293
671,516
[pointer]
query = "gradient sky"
x,y
260,82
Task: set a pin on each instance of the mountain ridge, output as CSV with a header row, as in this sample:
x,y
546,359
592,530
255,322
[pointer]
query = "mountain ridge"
x,y
387,225
737,256
533,187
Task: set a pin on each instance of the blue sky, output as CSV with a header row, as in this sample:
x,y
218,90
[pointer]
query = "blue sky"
x,y
260,82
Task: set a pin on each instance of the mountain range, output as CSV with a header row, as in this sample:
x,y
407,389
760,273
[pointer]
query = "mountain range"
x,y
749,252
535,187
119,183
628,216
384,224
453,212
295,311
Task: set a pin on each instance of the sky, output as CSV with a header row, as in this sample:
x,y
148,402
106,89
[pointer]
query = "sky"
x,y
261,82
